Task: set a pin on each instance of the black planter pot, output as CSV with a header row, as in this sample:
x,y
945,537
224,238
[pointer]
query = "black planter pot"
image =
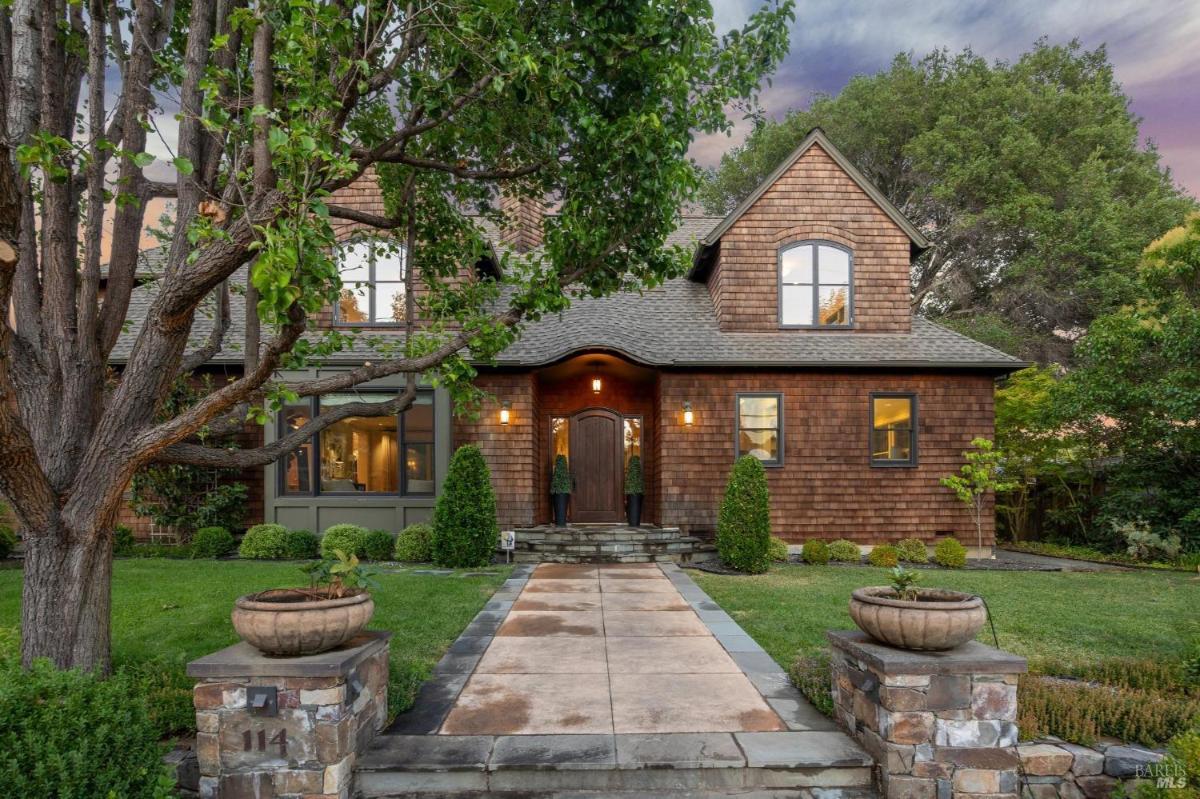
x,y
634,508
560,509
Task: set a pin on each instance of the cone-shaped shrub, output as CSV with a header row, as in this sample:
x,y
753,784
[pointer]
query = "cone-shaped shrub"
x,y
465,532
744,523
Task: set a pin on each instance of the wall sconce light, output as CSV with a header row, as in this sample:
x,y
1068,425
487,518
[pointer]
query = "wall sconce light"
x,y
505,410
595,385
688,417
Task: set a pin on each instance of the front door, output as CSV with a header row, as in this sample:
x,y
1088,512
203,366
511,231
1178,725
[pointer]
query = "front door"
x,y
597,466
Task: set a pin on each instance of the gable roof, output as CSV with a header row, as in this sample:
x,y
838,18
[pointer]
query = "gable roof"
x,y
815,137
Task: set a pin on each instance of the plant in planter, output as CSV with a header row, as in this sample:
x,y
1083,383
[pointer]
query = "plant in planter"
x,y
908,617
634,489
307,621
560,489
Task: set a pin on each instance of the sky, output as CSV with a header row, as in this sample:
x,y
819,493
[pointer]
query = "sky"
x,y
1154,46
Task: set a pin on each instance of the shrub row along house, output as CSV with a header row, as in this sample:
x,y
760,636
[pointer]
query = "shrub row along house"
x,y
792,339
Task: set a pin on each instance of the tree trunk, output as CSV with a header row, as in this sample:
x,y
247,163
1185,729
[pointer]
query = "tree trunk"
x,y
67,597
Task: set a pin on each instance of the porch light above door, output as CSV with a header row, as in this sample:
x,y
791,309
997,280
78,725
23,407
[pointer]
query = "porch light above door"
x,y
596,385
505,411
688,417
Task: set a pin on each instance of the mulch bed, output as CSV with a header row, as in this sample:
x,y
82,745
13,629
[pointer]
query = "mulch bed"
x,y
973,564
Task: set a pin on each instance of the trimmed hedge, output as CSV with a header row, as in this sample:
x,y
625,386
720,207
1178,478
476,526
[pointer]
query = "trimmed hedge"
x,y
415,544
378,545
465,531
777,550
301,545
69,735
815,552
844,551
912,550
744,521
950,553
122,540
212,542
264,542
884,555
350,539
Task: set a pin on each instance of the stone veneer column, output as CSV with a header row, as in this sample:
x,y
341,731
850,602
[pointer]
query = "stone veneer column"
x,y
328,708
940,725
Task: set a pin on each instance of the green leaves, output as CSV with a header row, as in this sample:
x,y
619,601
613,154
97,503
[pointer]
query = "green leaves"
x,y
182,164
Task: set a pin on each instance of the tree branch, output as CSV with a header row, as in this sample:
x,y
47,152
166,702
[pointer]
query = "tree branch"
x,y
216,337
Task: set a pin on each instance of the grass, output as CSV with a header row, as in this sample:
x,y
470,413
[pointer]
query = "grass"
x,y
1068,617
167,612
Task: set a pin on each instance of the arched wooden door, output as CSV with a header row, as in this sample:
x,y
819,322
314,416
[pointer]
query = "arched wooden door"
x,y
596,465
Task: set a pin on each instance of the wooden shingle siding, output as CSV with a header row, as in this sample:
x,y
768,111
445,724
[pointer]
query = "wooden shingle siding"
x,y
826,487
510,450
814,199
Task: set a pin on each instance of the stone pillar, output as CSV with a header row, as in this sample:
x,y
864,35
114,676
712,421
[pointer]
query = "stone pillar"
x,y
940,725
276,728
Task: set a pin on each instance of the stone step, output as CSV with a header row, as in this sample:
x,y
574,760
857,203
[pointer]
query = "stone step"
x,y
608,543
761,765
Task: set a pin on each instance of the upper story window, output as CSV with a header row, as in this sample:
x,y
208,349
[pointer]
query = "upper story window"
x,y
760,427
815,285
893,429
372,272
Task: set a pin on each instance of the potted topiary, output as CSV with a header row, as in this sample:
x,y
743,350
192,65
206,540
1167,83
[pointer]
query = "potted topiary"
x,y
633,490
908,617
307,621
560,489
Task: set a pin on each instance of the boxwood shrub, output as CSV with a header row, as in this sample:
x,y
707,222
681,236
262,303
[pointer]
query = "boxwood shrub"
x,y
300,545
815,552
744,521
212,542
348,538
122,540
378,545
844,551
884,555
912,550
777,550
264,541
465,531
8,541
950,553
70,735
415,544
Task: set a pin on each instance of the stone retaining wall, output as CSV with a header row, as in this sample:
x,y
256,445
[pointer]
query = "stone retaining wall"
x,y
1054,769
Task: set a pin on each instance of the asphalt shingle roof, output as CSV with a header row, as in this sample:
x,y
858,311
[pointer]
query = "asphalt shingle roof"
x,y
673,324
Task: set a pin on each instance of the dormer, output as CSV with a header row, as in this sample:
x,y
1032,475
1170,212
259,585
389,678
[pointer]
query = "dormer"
x,y
816,247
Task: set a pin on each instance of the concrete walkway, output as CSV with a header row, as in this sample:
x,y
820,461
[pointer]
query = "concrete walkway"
x,y
606,649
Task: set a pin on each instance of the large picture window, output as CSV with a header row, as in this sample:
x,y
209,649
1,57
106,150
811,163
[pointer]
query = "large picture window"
x,y
760,427
372,272
361,454
893,429
815,285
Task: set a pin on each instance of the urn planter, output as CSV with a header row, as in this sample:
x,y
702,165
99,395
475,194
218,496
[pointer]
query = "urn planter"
x,y
937,619
294,621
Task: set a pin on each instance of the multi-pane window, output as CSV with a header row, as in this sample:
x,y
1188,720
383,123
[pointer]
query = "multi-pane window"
x,y
893,430
372,273
760,427
361,454
815,285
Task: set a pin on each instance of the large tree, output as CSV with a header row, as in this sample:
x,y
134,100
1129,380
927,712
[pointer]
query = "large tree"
x,y
1028,177
277,105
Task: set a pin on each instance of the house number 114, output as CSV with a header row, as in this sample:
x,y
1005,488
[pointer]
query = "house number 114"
x,y
248,741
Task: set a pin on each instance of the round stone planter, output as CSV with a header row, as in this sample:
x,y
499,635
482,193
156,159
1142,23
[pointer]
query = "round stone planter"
x,y
289,621
937,619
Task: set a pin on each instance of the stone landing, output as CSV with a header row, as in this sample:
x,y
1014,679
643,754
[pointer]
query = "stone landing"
x,y
608,543
610,681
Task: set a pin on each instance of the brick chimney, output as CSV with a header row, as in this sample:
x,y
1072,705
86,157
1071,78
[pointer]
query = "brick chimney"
x,y
522,228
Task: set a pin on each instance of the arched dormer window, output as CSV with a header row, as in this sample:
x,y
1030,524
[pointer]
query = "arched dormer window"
x,y
372,272
816,285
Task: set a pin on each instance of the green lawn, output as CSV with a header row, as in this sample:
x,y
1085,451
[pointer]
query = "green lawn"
x,y
1073,617
176,610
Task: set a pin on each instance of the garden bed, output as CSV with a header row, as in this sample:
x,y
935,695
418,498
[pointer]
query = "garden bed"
x,y
1187,563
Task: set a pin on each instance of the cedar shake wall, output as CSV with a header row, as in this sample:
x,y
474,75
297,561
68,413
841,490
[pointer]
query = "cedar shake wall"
x,y
510,450
826,487
814,199
627,398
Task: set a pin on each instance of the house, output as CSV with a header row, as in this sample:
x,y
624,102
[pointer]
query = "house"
x,y
791,339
